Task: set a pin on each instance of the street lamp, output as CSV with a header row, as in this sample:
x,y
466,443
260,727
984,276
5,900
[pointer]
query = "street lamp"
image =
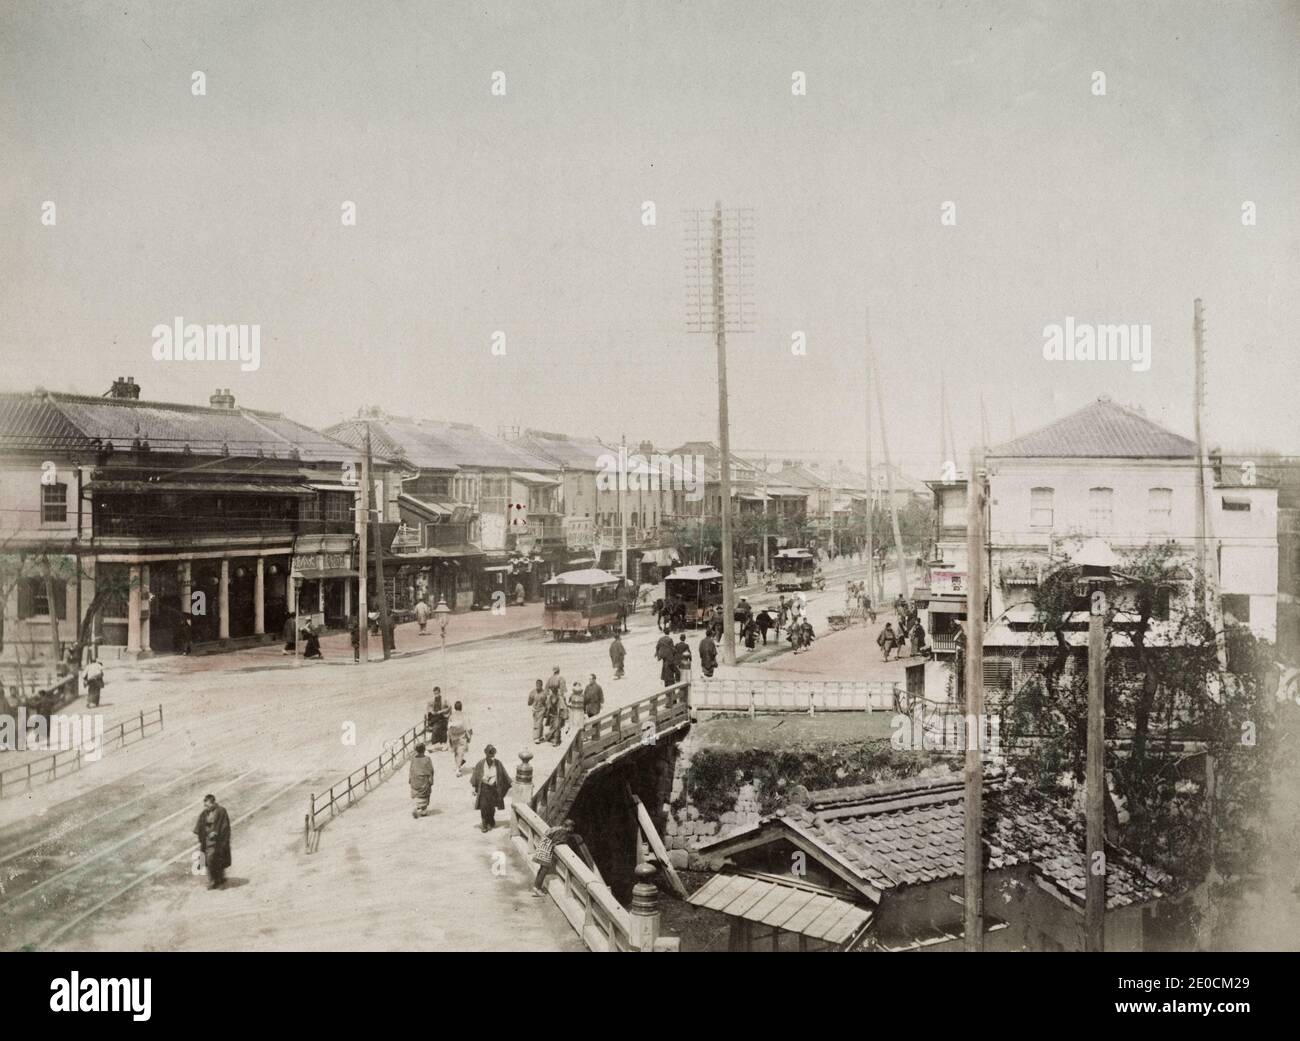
x,y
443,612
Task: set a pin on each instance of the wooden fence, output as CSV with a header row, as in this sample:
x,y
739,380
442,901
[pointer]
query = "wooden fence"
x,y
61,763
759,695
340,795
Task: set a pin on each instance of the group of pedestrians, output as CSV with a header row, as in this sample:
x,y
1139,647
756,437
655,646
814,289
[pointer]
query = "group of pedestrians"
x,y
450,728
555,706
910,633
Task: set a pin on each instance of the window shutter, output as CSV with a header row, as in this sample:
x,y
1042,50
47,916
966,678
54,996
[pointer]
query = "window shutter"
x,y
60,600
25,598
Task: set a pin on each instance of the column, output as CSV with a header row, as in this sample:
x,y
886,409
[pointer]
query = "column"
x,y
347,598
223,600
145,612
133,611
186,579
290,592
259,598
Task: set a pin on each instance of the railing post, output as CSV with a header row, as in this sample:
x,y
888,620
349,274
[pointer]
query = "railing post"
x,y
644,914
522,793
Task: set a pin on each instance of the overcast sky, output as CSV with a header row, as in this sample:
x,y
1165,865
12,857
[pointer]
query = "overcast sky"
x,y
522,213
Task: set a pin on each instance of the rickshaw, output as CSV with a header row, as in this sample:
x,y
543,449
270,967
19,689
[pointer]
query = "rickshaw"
x,y
795,569
586,603
691,593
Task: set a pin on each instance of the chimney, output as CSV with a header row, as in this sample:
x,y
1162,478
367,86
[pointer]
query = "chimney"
x,y
222,399
125,387
646,448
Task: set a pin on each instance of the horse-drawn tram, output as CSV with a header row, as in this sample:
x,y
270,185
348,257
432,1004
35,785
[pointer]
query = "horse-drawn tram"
x,y
794,568
583,603
690,593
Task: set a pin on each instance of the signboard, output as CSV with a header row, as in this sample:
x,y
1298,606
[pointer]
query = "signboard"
x,y
952,583
308,563
579,533
492,531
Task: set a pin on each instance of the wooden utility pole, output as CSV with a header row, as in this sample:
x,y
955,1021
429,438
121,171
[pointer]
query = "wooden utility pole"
x,y
1198,401
363,558
379,556
724,445
873,587
974,801
984,423
1094,915
889,480
947,452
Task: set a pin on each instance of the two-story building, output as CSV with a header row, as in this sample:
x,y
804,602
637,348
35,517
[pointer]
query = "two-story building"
x,y
179,525
1103,475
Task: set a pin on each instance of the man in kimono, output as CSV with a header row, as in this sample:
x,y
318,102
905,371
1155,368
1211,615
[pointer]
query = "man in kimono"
x,y
537,702
490,781
420,778
213,831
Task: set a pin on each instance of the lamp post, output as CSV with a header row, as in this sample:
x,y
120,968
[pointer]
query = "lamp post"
x,y
443,612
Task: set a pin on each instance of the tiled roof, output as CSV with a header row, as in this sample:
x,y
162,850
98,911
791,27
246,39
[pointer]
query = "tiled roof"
x,y
1101,429
794,908
31,421
435,445
573,453
54,419
911,831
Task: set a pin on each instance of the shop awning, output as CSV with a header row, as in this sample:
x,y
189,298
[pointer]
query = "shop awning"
x,y
528,477
312,574
458,549
818,916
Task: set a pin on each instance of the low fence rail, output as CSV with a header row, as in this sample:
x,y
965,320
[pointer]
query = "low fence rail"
x,y
604,738
327,805
65,761
759,695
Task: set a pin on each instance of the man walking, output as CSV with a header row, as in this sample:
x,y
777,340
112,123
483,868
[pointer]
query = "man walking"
x,y
556,682
682,656
459,732
420,778
708,655
592,697
213,831
667,655
93,677
617,655
537,702
422,614
490,782
887,640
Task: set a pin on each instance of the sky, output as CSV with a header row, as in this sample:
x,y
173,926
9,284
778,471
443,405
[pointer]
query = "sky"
x,y
523,212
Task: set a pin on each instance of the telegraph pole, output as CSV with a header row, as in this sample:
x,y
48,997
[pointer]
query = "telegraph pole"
x,y
1198,338
379,557
622,517
1094,915
974,774
724,445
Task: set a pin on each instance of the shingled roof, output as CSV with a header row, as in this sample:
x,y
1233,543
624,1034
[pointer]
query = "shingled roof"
x,y
912,831
1102,429
435,445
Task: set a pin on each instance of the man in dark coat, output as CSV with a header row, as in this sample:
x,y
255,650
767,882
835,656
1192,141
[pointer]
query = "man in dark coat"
x,y
667,655
708,655
420,778
593,698
490,781
765,622
213,831
617,655
683,655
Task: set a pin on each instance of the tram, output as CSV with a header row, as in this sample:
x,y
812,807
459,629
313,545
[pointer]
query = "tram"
x,y
795,569
691,593
585,603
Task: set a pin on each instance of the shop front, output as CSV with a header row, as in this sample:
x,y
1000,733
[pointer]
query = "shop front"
x,y
323,578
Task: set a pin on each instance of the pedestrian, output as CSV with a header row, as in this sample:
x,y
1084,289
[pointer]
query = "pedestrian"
x,y
667,655
765,622
290,635
537,702
918,639
213,831
93,677
420,778
617,655
556,682
459,733
887,640
422,615
313,642
593,698
749,633
490,782
354,633
708,655
561,835
574,705
435,719
519,594
682,656
555,715
184,635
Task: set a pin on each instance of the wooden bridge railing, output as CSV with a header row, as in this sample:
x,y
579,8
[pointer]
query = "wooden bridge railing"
x,y
770,695
603,739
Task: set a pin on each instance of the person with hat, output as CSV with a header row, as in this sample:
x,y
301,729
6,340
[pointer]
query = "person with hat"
x,y
490,781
